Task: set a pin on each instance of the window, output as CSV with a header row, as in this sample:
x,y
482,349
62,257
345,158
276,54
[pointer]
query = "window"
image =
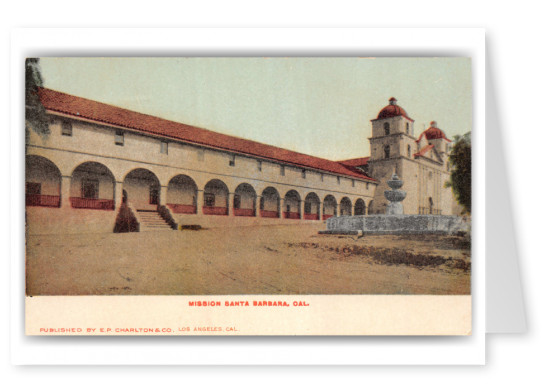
x,y
237,201
66,128
90,189
367,186
387,151
338,180
387,128
282,170
259,165
321,176
164,147
409,150
232,161
200,155
209,199
407,127
353,183
303,173
119,137
33,188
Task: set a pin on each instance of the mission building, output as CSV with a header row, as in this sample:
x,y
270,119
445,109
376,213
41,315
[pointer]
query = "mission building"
x,y
102,168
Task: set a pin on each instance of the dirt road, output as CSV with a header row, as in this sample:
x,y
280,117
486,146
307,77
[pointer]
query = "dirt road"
x,y
245,260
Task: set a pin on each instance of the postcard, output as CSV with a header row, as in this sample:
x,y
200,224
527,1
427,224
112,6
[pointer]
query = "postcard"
x,y
248,196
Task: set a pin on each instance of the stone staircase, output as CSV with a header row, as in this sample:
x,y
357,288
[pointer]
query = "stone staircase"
x,y
151,220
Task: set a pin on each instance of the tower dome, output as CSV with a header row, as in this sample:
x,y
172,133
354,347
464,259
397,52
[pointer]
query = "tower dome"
x,y
433,133
392,110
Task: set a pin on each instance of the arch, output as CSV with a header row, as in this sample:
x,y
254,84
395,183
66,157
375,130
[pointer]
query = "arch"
x,y
329,207
42,182
371,208
181,195
216,198
359,207
142,188
346,207
269,203
244,200
92,187
312,210
291,205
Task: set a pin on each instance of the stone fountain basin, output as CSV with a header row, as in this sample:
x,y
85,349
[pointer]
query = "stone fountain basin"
x,y
396,224
395,195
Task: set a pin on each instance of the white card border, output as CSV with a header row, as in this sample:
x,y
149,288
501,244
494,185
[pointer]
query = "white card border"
x,y
247,350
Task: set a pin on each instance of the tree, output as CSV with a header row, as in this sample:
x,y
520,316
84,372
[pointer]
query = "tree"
x,y
460,178
35,113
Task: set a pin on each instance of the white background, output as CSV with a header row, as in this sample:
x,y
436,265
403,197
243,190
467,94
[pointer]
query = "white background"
x,y
518,57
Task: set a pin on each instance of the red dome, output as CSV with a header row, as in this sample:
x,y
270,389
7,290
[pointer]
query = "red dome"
x,y
392,110
433,133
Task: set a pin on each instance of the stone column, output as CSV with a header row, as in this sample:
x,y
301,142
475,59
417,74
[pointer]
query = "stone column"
x,y
281,208
163,195
301,204
200,202
65,191
230,203
257,206
117,193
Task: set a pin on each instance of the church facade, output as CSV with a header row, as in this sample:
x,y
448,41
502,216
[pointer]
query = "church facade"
x,y
106,169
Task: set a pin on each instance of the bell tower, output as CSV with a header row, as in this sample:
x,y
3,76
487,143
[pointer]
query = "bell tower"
x,y
392,147
392,133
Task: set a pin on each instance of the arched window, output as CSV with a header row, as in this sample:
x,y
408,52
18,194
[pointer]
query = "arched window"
x,y
387,151
409,150
407,127
387,128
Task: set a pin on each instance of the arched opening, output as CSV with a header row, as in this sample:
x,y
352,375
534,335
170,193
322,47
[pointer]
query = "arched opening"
x,y
269,203
359,207
346,207
291,205
92,187
182,195
371,208
312,207
431,204
244,199
142,189
329,207
216,198
42,182
387,151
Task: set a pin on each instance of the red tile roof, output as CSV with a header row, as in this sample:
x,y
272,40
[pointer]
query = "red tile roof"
x,y
112,115
424,150
360,161
433,133
392,110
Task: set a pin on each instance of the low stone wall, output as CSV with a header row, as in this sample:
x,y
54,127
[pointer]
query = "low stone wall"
x,y
396,224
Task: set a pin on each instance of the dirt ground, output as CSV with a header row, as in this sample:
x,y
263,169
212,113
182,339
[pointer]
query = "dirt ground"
x,y
246,260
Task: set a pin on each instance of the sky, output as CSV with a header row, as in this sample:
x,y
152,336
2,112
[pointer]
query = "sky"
x,y
317,106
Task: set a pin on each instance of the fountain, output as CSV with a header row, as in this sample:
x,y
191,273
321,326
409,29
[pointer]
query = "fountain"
x,y
395,221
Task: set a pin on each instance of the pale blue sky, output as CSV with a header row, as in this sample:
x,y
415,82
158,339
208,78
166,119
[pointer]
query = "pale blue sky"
x,y
318,106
